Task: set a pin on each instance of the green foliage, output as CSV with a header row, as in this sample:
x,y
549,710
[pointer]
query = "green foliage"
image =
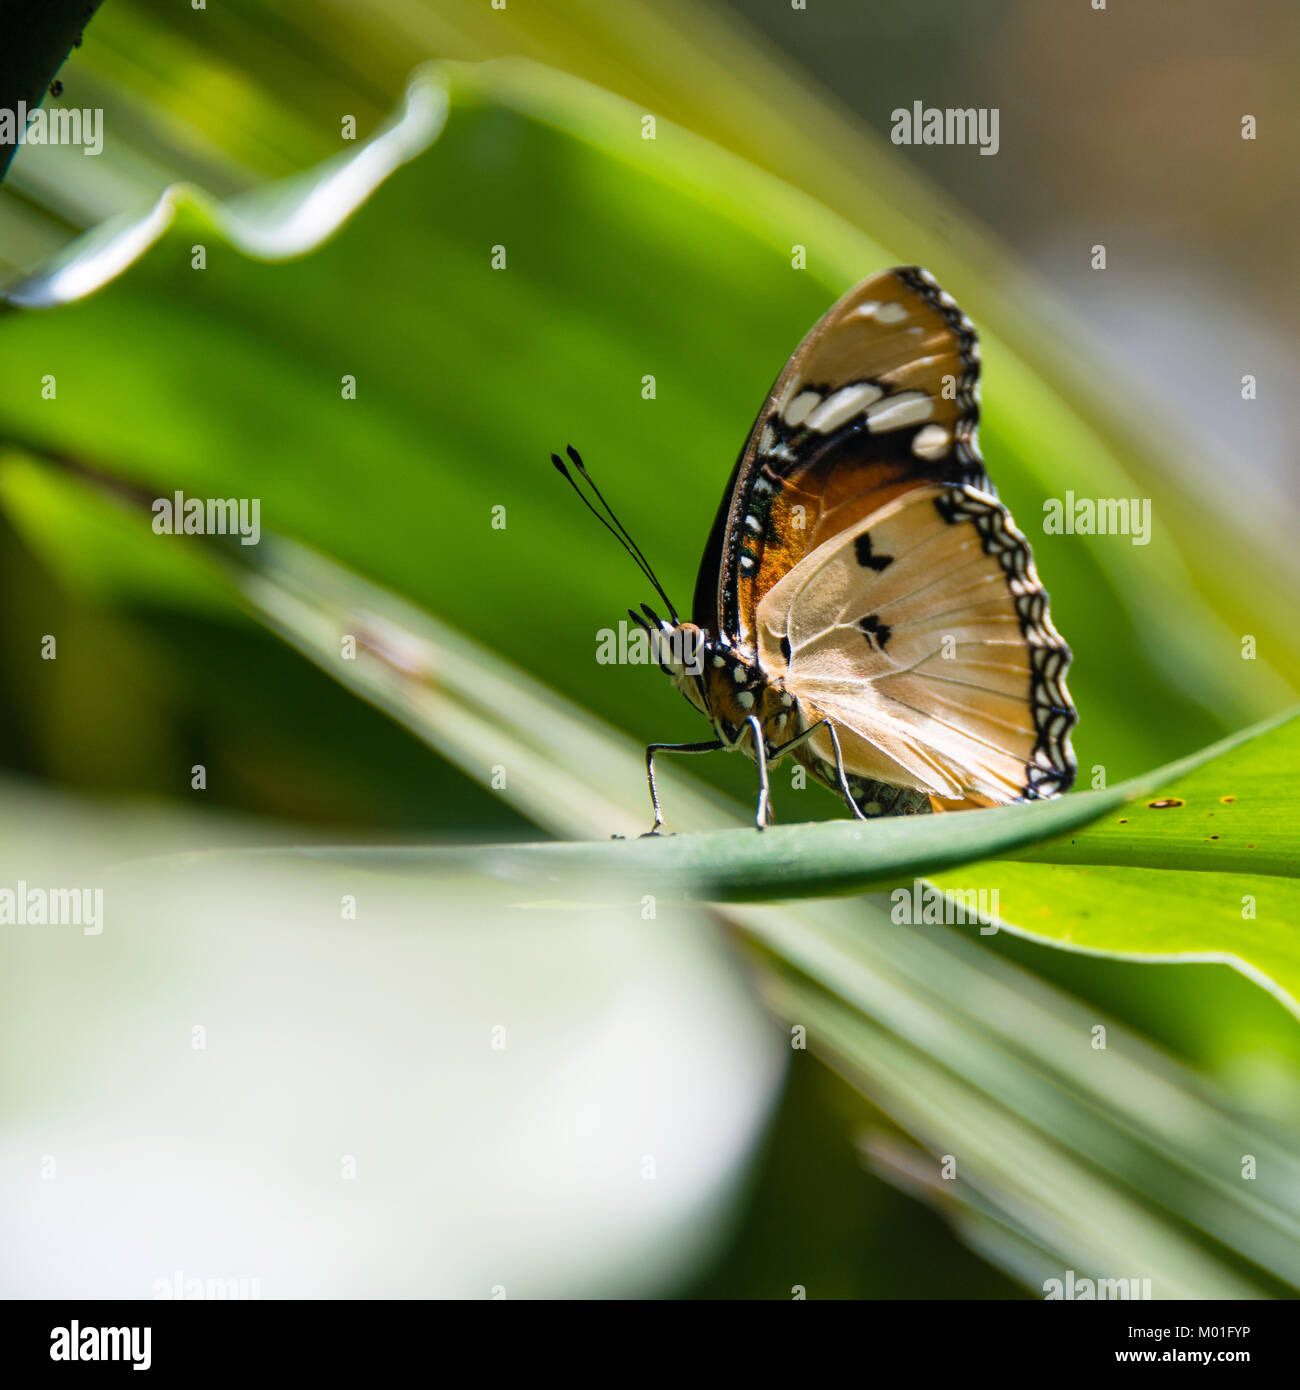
x,y
626,259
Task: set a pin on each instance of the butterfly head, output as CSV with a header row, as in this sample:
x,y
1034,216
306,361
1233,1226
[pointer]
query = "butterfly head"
x,y
683,652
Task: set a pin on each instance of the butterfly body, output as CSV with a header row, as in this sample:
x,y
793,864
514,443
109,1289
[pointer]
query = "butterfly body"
x,y
730,687
865,602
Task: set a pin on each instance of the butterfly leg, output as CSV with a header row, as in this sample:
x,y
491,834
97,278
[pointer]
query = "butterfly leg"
x,y
785,748
712,746
763,815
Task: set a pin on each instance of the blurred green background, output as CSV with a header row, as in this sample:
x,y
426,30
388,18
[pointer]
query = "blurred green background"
x,y
669,258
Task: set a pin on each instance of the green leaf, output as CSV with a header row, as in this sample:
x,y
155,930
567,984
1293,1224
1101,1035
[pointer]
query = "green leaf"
x,y
1204,869
783,862
800,861
241,447
624,261
1238,813
1241,920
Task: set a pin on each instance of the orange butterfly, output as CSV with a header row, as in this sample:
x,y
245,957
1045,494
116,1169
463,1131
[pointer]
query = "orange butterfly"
x,y
865,603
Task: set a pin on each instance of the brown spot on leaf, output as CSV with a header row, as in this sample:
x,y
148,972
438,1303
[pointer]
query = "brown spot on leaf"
x,y
1164,803
1227,800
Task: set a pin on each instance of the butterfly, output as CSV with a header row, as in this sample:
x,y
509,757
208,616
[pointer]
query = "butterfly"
x,y
865,603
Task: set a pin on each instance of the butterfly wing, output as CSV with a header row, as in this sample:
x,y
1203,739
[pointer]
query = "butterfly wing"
x,y
862,555
923,633
882,395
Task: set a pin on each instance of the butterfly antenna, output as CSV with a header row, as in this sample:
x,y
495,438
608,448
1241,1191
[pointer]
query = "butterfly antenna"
x,y
622,530
576,458
586,502
611,523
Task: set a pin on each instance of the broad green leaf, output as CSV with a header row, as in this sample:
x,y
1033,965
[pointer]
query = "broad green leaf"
x,y
1242,920
313,605
1239,813
1203,869
815,860
475,712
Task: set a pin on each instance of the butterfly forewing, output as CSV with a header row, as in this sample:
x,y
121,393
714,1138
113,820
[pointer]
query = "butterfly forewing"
x,y
880,396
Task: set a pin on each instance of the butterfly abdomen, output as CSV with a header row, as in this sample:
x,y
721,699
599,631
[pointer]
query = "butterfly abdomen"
x,y
873,798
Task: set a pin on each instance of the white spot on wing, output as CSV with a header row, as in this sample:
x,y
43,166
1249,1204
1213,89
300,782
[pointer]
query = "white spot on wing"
x,y
900,411
889,312
932,442
798,408
841,406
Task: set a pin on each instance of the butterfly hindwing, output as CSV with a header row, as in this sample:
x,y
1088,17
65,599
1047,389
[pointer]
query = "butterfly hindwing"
x,y
940,668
